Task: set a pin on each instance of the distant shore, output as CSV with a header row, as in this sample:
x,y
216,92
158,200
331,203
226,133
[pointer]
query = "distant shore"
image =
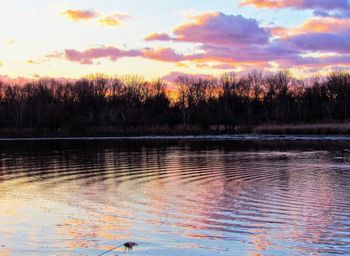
x,y
322,129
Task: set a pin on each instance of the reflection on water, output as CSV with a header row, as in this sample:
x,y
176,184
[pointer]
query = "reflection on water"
x,y
173,200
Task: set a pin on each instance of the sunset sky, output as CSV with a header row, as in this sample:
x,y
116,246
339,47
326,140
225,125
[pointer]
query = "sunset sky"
x,y
154,38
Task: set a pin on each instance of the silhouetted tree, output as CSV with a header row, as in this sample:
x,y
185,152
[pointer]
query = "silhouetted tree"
x,y
131,102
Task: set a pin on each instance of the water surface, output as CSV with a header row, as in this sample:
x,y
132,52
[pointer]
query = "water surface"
x,y
178,199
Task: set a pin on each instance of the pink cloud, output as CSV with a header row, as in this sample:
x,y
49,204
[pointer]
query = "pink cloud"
x,y
89,55
299,4
216,57
315,25
325,24
161,54
165,54
248,55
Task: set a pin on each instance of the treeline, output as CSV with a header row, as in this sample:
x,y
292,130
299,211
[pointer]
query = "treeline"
x,y
216,104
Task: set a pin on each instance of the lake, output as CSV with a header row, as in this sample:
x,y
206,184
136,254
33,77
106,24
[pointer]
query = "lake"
x,y
174,198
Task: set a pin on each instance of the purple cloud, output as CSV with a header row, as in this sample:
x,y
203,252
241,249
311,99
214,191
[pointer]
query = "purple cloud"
x,y
88,56
322,42
217,29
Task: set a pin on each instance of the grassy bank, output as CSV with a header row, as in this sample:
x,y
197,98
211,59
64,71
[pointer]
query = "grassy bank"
x,y
309,129
305,129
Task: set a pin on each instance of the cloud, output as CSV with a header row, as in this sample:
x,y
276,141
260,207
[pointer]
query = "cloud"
x,y
113,20
322,42
217,28
55,55
234,42
315,25
165,54
318,42
224,66
316,62
34,62
299,4
157,37
102,19
113,53
225,43
325,24
281,52
89,55
80,15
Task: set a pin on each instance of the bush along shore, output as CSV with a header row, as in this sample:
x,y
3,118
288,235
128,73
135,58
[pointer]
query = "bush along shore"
x,y
269,129
273,103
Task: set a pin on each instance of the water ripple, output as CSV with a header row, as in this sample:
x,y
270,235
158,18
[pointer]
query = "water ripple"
x,y
178,200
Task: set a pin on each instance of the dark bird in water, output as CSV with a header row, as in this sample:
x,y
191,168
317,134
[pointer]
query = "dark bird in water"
x,y
127,247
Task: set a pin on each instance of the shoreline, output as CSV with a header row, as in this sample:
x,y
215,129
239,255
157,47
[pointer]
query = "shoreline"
x,y
199,138
308,129
267,133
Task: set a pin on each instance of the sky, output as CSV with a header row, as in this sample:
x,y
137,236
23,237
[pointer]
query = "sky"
x,y
157,38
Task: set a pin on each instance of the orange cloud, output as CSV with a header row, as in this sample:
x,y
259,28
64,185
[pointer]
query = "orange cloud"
x,y
264,3
79,15
315,25
55,55
325,24
182,65
109,22
113,20
33,61
158,37
104,20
